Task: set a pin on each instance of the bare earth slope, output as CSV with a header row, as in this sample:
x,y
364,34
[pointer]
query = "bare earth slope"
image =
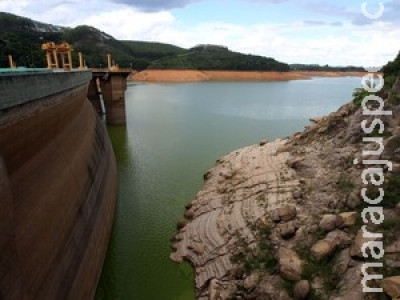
x,y
196,75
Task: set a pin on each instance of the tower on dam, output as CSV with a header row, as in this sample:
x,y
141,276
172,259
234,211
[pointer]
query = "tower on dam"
x,y
107,84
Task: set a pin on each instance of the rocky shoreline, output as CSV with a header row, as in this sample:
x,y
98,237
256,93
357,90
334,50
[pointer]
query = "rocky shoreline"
x,y
282,220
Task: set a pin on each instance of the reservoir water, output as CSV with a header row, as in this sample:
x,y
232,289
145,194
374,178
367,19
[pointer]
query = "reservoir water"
x,y
174,133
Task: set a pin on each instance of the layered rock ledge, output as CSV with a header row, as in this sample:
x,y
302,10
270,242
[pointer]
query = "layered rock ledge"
x,y
241,189
282,220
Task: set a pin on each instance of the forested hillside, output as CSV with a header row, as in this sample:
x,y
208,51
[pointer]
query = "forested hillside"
x,y
22,38
211,57
392,71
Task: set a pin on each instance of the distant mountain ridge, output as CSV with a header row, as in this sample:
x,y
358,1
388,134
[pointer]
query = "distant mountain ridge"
x,y
22,38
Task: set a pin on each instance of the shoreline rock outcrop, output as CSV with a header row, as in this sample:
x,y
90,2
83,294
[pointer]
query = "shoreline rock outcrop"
x,y
281,219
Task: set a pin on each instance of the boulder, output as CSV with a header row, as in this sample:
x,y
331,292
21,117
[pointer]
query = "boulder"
x,y
350,287
197,248
287,213
176,257
287,230
227,174
274,216
297,194
391,286
356,294
353,200
347,219
323,129
340,238
355,249
296,163
267,288
213,289
316,120
207,175
301,290
289,264
263,142
394,247
283,295
328,199
189,214
342,263
323,249
251,281
328,223
359,241
181,224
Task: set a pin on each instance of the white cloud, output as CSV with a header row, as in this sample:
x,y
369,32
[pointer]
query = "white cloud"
x,y
12,6
155,5
371,44
131,24
346,45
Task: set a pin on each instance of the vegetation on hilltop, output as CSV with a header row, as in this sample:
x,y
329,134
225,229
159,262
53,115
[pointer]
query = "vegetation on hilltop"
x,y
148,52
391,71
212,57
95,44
325,68
23,38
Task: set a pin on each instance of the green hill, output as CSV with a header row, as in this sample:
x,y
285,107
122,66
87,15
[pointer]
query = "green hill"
x,y
212,57
152,51
391,71
22,38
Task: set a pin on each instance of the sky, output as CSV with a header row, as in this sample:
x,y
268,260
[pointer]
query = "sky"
x,y
334,32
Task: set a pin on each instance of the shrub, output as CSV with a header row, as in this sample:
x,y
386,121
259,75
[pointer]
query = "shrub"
x,y
260,257
345,183
391,188
358,96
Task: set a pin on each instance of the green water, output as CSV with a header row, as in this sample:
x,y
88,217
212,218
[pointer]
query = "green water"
x,y
174,133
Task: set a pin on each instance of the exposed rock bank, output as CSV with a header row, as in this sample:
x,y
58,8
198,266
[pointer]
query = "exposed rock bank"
x,y
197,75
282,220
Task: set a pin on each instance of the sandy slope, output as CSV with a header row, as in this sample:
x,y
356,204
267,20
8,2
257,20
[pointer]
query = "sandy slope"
x,y
195,75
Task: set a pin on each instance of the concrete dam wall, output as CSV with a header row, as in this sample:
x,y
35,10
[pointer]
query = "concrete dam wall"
x,y
58,187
